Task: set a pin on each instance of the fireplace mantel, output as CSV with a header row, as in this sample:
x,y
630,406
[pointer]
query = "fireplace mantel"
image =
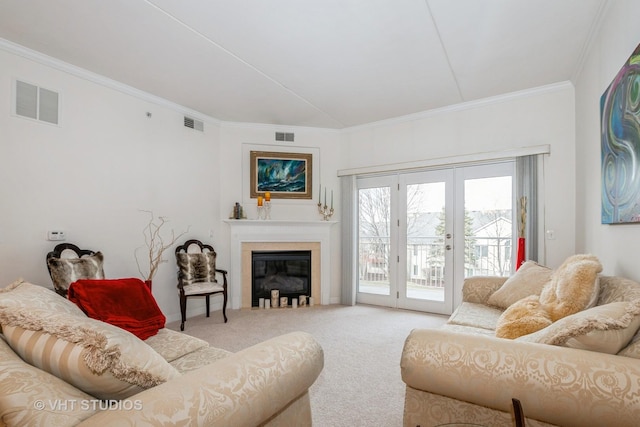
x,y
278,231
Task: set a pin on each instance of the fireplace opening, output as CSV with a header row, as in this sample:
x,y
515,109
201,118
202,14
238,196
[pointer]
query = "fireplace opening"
x,y
287,271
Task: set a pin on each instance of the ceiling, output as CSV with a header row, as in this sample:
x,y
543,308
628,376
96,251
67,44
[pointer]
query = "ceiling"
x,y
323,63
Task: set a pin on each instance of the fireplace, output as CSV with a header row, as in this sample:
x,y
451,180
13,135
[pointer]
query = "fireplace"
x,y
287,271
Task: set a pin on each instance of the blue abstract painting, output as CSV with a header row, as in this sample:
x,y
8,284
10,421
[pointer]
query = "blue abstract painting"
x,y
620,142
283,175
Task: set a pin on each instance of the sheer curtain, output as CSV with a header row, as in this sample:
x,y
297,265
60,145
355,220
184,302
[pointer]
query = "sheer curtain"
x,y
527,186
349,224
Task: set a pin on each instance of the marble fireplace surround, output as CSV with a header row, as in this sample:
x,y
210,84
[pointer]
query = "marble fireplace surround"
x,y
278,235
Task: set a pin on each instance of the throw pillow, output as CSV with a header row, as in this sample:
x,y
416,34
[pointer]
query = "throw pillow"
x,y
65,271
25,386
521,318
126,303
572,286
100,359
197,267
606,328
528,280
21,294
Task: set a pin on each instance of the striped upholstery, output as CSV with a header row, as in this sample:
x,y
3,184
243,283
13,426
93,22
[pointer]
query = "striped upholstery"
x,y
96,357
23,386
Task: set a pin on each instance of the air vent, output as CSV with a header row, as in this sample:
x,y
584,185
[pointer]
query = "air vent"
x,y
284,136
193,124
36,103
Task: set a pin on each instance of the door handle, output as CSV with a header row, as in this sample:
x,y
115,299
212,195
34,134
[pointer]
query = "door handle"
x,y
448,247
448,235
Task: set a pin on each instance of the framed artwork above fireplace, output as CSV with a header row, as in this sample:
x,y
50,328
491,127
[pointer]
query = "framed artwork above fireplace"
x,y
283,175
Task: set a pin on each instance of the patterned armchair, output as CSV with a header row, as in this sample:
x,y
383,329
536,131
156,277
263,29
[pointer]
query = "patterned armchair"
x,y
197,276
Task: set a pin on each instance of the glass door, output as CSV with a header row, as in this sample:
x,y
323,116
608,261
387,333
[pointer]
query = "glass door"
x,y
426,234
421,233
377,240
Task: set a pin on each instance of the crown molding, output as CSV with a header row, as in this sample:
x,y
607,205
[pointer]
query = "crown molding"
x,y
82,73
465,106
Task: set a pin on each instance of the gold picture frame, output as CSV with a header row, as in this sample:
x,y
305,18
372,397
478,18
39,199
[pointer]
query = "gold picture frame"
x,y
283,175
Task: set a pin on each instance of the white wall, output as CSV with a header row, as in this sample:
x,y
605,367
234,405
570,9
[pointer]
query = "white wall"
x,y
237,140
91,176
538,117
615,245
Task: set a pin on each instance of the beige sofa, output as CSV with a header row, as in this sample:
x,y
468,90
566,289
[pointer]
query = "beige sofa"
x,y
61,368
590,377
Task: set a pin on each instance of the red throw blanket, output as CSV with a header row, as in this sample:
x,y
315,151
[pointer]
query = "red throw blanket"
x,y
126,303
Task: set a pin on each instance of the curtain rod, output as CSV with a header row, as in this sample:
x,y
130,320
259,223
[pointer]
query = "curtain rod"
x,y
450,160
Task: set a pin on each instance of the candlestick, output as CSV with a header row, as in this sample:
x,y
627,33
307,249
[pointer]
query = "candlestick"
x,y
320,194
331,199
325,196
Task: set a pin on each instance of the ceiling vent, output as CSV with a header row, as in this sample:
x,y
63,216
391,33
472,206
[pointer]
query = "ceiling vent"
x,y
284,136
193,124
36,103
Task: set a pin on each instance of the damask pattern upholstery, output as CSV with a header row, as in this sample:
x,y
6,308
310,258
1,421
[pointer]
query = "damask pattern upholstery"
x,y
98,358
23,387
463,373
248,389
556,385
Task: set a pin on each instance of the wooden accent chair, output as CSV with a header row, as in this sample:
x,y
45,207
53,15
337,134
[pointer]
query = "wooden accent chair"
x,y
197,275
67,263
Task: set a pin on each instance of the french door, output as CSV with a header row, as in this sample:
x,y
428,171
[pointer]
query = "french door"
x,y
421,233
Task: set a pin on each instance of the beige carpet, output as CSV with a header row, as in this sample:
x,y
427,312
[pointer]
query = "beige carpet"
x,y
360,384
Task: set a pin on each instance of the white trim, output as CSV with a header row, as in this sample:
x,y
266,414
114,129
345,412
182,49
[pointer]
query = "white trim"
x,y
465,105
57,64
254,231
447,161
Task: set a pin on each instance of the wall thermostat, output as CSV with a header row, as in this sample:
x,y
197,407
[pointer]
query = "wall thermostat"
x,y
55,235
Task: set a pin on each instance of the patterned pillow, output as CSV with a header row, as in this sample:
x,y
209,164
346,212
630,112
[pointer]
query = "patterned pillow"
x,y
21,294
605,328
65,271
197,267
528,280
25,386
102,360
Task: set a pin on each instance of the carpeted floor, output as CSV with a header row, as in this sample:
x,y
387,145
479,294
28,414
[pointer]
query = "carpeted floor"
x,y
360,384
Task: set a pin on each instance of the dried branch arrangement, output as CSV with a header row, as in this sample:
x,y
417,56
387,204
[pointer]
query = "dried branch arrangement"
x,y
155,244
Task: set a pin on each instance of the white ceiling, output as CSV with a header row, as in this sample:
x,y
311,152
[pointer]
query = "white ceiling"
x,y
323,63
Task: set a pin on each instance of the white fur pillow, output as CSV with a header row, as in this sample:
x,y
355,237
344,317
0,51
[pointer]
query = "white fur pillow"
x,y
573,286
606,328
528,280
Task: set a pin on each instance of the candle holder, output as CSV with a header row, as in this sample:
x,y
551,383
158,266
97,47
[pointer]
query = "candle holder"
x,y
267,209
325,211
261,212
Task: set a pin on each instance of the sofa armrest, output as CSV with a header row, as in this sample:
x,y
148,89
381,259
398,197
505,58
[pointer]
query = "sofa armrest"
x,y
478,289
556,385
244,389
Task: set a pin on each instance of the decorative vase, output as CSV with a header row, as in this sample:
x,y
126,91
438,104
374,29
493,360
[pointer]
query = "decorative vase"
x,y
520,255
148,283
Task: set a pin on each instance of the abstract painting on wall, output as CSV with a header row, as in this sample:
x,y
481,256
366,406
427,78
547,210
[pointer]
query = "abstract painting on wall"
x,y
283,175
620,142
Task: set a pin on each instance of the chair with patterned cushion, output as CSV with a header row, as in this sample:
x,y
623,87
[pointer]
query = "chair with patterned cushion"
x,y
197,276
67,263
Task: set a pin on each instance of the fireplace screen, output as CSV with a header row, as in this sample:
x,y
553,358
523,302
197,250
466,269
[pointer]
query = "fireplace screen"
x,y
287,271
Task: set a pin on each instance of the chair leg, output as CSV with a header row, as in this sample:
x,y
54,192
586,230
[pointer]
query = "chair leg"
x,y
207,298
224,306
183,310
